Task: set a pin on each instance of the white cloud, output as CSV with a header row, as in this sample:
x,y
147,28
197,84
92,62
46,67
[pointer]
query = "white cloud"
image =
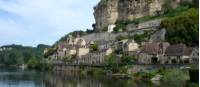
x,y
44,20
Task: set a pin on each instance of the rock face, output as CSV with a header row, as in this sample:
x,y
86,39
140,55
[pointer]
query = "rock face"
x,y
158,36
110,11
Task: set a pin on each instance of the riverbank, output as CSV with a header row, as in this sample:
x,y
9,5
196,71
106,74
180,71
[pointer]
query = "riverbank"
x,y
171,78
165,75
95,78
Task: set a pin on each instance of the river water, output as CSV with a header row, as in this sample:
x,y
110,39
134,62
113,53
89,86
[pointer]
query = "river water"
x,y
13,77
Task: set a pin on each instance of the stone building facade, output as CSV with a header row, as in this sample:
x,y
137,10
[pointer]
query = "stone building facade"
x,y
180,53
164,53
152,53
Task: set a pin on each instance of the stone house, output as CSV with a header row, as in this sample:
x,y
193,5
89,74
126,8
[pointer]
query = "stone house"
x,y
130,45
180,53
91,58
130,48
97,57
73,46
152,53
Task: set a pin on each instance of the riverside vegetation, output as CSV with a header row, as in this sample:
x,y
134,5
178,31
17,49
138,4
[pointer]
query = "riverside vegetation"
x,y
17,55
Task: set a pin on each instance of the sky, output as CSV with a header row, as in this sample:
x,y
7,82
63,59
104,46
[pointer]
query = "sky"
x,y
33,22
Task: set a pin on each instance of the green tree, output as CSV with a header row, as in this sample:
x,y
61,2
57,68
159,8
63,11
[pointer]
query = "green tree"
x,y
111,63
34,63
127,59
183,28
94,47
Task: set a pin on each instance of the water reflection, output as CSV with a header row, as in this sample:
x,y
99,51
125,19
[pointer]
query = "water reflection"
x,y
12,77
87,81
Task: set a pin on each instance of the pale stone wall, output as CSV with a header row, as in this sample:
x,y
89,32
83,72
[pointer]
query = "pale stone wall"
x,y
109,51
155,7
105,13
133,46
72,52
83,51
92,58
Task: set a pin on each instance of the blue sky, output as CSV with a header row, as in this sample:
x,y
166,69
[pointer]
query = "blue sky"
x,y
32,22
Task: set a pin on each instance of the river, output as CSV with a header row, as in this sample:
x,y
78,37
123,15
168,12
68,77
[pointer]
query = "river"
x,y
13,77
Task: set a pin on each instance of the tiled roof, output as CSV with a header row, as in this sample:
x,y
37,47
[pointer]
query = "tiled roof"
x,y
188,51
178,50
151,48
154,48
175,50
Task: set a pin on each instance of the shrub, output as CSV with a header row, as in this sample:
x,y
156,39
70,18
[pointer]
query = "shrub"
x,y
94,47
122,37
175,77
127,59
183,28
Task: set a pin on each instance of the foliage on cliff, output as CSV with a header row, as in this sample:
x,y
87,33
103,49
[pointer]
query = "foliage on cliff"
x,y
94,47
21,55
183,28
103,2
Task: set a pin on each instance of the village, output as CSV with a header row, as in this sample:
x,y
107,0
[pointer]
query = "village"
x,y
99,43
129,39
80,51
94,48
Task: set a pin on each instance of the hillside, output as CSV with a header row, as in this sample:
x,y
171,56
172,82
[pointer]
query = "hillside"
x,y
123,28
18,54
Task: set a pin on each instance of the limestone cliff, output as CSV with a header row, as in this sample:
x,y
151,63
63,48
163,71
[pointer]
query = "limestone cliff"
x,y
108,12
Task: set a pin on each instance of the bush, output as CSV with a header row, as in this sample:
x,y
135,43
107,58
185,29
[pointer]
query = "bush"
x,y
127,59
94,47
111,63
142,37
119,38
120,25
175,77
183,28
33,63
144,75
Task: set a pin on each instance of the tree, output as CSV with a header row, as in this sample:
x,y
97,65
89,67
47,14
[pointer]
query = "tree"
x,y
94,47
127,59
111,63
88,31
34,63
183,28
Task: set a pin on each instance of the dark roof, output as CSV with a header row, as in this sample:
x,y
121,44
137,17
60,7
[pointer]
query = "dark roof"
x,y
188,51
178,50
151,48
154,48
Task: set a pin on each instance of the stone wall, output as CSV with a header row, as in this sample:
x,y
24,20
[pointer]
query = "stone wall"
x,y
83,51
92,58
158,36
144,25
